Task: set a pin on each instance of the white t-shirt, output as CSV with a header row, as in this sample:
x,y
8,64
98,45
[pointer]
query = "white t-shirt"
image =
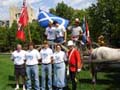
x,y
60,30
50,32
32,57
59,57
18,57
76,31
46,55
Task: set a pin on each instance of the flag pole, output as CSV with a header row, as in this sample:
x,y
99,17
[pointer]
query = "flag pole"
x,y
29,34
92,67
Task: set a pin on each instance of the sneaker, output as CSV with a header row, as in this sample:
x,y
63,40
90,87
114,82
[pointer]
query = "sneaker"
x,y
60,88
93,81
24,87
17,87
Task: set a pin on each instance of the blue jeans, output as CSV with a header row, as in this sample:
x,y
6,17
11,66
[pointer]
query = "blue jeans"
x,y
59,40
32,72
59,75
46,70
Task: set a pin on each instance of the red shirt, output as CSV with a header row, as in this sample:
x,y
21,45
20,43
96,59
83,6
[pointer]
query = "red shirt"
x,y
74,60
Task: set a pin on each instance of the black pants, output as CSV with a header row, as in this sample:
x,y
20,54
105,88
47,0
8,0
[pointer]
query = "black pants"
x,y
74,83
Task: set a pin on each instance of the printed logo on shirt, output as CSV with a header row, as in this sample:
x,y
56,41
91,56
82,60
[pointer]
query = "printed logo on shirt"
x,y
18,58
44,55
29,57
57,58
50,32
57,32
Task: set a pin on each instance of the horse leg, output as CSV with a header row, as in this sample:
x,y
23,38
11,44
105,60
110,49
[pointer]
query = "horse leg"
x,y
94,73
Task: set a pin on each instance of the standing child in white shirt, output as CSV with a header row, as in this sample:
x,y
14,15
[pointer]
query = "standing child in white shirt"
x,y
18,57
46,56
32,69
60,32
50,34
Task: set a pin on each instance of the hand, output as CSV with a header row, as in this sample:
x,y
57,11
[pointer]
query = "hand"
x,y
78,70
40,61
52,61
64,41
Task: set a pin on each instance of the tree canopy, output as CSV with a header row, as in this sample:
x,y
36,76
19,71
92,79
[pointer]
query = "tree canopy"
x,y
104,18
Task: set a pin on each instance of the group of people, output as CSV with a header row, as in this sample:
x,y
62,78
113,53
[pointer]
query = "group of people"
x,y
56,33
26,64
51,58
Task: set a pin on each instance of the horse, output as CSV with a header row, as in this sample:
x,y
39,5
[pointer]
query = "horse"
x,y
102,54
105,53
98,54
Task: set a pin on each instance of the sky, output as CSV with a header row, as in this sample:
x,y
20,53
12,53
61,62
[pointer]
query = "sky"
x,y
42,4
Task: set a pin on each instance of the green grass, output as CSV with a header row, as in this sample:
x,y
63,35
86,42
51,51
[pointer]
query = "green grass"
x,y
107,80
6,73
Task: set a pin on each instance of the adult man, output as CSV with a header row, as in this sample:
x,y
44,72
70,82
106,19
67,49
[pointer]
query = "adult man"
x,y
76,30
32,69
74,62
50,33
61,34
18,56
46,60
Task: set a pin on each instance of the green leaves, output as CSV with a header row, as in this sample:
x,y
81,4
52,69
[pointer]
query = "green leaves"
x,y
105,19
8,39
68,12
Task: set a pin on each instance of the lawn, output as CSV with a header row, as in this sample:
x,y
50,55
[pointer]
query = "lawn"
x,y
107,79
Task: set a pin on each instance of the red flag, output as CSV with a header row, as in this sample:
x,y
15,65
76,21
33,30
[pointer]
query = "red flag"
x,y
88,34
20,34
23,19
22,22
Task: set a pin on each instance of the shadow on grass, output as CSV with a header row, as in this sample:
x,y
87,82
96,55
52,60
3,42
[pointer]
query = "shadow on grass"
x,y
113,74
11,78
108,69
99,81
65,88
115,85
11,81
112,80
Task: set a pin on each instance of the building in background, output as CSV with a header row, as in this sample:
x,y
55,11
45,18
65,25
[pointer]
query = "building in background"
x,y
15,13
4,23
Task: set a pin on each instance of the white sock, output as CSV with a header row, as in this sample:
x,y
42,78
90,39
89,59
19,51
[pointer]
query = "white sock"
x,y
17,86
23,87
